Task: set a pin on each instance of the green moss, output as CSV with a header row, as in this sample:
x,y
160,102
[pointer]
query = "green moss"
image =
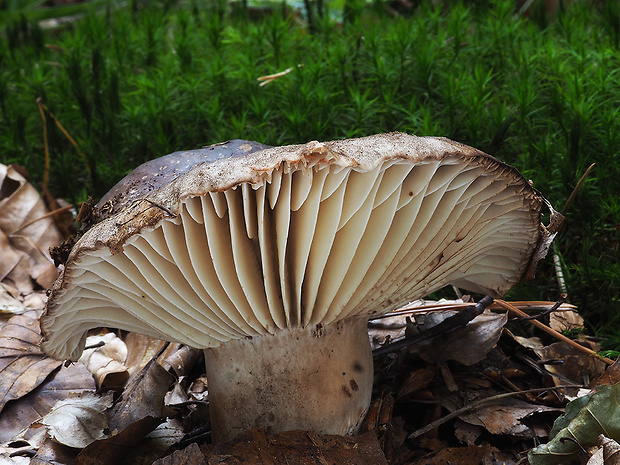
x,y
138,82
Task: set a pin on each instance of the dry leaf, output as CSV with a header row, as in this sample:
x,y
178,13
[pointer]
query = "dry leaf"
x,y
576,366
19,414
140,410
191,455
611,450
418,379
597,457
183,360
22,364
106,360
468,345
26,233
565,320
143,397
52,453
79,420
141,349
9,296
502,416
6,459
611,375
156,444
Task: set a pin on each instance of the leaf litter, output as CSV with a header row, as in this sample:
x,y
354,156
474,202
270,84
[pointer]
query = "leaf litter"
x,y
485,390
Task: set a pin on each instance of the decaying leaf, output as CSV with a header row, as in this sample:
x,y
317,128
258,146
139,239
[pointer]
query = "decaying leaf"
x,y
611,375
106,360
26,234
143,397
19,414
141,349
140,411
392,326
468,344
576,366
565,320
611,450
191,455
156,444
79,420
585,418
22,364
504,416
53,453
6,459
182,360
9,298
596,458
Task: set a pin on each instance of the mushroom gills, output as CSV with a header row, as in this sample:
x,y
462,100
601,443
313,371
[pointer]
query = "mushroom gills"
x,y
321,243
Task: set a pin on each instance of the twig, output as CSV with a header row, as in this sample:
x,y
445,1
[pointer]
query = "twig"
x,y
161,350
33,244
552,332
474,406
547,311
573,194
463,317
537,305
556,257
46,174
43,109
264,80
47,215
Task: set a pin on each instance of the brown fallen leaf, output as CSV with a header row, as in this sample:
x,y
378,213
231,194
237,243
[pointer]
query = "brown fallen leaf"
x,y
256,447
140,410
418,379
19,414
143,397
182,360
52,453
10,255
156,444
611,450
191,455
502,417
576,366
22,364
141,349
565,320
27,233
611,375
9,298
6,459
467,345
79,420
106,360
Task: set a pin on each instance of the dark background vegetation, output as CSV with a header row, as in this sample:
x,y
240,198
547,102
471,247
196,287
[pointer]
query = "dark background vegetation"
x,y
538,89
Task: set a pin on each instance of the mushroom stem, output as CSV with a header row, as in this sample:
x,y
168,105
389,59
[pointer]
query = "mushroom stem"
x,y
315,378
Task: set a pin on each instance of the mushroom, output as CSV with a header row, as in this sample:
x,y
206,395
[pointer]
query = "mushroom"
x,y
273,262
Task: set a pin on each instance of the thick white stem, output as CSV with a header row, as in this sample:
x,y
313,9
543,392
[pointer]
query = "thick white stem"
x,y
316,378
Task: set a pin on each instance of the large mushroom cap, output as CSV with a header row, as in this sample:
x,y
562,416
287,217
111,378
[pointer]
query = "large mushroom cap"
x,y
295,236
